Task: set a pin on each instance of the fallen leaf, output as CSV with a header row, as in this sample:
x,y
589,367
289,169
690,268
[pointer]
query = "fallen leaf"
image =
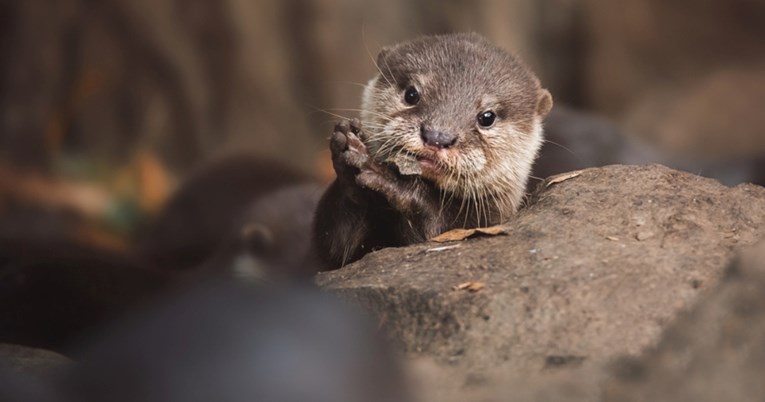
x,y
462,234
562,177
454,235
470,286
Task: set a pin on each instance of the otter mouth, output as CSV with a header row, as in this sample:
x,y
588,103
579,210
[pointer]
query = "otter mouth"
x,y
427,162
431,165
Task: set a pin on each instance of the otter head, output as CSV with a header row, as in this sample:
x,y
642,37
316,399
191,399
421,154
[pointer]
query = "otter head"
x,y
469,112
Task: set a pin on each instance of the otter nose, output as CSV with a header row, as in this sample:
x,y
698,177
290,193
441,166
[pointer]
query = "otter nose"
x,y
435,138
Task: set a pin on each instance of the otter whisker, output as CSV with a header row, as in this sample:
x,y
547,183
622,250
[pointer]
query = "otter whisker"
x,y
319,110
374,62
383,119
381,115
563,147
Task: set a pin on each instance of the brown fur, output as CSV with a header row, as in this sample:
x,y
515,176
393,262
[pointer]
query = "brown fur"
x,y
478,180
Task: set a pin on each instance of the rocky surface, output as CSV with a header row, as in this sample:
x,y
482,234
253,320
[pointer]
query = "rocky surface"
x,y
26,359
26,373
595,267
715,352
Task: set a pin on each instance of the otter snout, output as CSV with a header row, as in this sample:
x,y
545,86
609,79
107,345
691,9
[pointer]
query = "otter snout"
x,y
437,139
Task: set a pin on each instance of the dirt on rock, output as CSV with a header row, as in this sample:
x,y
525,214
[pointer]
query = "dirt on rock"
x,y
595,267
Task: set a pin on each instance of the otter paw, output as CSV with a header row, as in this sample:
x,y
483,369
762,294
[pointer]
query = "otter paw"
x,y
347,148
373,180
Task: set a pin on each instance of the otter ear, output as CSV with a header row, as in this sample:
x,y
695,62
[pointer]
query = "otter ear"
x,y
544,102
256,238
382,57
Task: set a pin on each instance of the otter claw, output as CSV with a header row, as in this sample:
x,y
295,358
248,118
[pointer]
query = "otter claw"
x,y
355,125
357,129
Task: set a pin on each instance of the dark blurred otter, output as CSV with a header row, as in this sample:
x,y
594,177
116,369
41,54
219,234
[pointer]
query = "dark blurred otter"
x,y
451,127
271,240
199,216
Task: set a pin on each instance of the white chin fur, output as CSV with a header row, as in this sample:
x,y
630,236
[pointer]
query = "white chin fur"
x,y
508,178
366,99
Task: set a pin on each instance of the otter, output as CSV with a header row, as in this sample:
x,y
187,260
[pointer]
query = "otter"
x,y
197,219
449,130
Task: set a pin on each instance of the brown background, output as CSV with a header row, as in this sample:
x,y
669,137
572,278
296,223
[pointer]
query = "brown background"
x,y
119,99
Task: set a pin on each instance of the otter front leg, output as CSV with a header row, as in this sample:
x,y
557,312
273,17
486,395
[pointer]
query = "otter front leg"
x,y
342,222
347,222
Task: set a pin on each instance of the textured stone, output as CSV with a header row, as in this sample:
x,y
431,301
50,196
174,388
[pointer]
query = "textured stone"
x,y
715,352
570,284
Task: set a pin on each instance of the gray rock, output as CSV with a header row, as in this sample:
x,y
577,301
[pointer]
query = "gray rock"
x,y
595,267
26,373
32,360
715,352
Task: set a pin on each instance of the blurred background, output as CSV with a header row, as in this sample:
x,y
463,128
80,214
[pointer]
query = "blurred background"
x,y
106,106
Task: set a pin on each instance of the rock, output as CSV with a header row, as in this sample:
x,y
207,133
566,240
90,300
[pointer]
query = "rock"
x,y
570,284
443,383
714,352
26,373
26,359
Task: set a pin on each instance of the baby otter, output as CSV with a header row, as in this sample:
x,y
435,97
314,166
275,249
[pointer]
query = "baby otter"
x,y
452,125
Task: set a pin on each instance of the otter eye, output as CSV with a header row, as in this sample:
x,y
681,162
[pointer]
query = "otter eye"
x,y
486,119
411,96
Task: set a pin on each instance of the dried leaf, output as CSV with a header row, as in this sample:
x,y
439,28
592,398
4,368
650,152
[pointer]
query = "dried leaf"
x,y
470,286
454,235
562,177
462,234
